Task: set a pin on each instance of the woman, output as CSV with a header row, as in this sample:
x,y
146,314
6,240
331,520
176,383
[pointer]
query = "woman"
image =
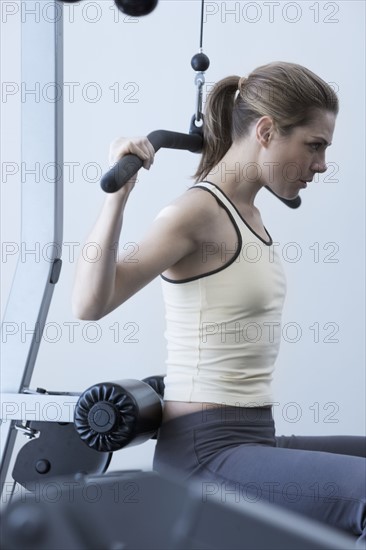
x,y
224,289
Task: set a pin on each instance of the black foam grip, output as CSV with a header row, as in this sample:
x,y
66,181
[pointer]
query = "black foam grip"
x,y
291,203
112,415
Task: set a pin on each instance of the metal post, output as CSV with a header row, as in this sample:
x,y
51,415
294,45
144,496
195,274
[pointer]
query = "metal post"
x,y
42,203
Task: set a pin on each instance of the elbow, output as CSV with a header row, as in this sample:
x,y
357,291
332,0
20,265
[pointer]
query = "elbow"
x,y
85,313
92,309
84,316
87,317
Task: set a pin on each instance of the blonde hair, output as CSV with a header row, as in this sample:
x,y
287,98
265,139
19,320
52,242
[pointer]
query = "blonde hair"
x,y
288,93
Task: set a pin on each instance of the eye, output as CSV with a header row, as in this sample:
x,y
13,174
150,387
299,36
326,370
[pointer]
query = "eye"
x,y
315,146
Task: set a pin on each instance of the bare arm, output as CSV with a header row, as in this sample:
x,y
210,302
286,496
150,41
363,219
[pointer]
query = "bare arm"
x,y
101,286
169,239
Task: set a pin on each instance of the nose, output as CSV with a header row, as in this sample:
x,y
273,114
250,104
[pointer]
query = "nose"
x,y
319,166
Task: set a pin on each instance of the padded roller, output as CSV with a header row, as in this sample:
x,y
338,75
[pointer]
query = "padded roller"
x,y
157,383
113,415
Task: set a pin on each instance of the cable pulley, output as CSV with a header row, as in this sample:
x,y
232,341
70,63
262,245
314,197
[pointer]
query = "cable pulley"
x,y
200,63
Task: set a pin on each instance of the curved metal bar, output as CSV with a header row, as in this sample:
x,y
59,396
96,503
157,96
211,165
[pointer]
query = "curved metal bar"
x,y
127,167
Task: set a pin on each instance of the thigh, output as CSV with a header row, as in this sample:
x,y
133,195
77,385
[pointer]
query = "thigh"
x,y
341,444
324,486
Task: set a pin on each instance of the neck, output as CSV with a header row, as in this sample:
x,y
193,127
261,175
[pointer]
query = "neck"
x,y
239,179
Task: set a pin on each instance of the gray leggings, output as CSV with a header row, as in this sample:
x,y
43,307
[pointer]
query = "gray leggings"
x,y
235,450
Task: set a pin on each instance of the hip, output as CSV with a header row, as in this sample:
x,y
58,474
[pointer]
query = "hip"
x,y
187,441
175,409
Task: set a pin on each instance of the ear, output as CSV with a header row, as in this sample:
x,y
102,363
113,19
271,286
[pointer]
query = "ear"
x,y
264,130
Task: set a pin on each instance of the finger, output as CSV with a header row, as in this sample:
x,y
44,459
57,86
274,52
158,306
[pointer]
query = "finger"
x,y
129,149
145,153
145,145
140,147
151,152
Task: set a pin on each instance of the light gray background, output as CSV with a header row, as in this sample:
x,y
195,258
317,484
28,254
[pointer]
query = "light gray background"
x,y
320,381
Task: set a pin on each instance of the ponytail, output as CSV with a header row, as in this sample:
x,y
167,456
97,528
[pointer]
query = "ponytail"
x,y
217,125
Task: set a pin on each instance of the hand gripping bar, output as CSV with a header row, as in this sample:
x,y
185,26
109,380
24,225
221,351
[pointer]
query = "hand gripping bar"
x,y
127,166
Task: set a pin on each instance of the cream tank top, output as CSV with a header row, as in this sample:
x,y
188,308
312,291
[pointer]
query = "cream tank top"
x,y
223,328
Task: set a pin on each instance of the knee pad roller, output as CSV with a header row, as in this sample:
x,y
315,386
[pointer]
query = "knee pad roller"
x,y
112,415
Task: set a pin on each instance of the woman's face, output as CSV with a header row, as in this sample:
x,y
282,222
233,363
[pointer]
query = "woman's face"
x,y
289,161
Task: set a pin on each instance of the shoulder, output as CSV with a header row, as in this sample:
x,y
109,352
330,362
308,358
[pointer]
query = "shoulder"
x,y
196,211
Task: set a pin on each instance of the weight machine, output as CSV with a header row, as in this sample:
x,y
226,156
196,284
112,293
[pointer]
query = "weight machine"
x,y
74,449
